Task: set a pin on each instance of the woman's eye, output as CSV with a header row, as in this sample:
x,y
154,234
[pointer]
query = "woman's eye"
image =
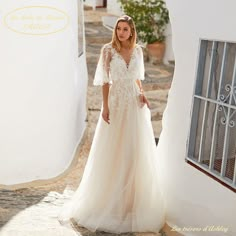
x,y
124,29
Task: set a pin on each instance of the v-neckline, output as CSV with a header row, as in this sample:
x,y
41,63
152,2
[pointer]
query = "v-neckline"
x,y
131,55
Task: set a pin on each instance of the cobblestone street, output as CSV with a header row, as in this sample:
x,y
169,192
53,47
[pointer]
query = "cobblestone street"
x,y
32,208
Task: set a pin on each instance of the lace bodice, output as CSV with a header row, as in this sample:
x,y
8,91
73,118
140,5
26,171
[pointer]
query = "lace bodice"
x,y
113,69
112,66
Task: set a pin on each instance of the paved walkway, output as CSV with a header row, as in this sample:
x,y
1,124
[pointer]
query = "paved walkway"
x,y
32,209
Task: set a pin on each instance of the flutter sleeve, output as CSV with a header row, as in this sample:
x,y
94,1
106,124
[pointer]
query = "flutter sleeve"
x,y
140,63
102,73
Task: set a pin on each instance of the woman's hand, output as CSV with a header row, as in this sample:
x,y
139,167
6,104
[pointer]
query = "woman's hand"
x,y
105,115
143,100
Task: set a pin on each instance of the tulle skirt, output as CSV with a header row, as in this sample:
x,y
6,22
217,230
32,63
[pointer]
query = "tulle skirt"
x,y
119,191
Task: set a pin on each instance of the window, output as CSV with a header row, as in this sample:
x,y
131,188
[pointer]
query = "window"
x,y
212,139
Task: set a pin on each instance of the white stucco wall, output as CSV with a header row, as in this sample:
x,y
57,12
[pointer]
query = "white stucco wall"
x,y
91,3
42,89
169,54
113,7
192,198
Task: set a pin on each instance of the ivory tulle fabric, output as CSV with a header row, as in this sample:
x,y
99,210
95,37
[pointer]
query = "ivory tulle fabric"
x,y
119,190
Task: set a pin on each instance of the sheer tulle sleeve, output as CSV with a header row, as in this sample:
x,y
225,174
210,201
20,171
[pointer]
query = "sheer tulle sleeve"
x,y
102,74
140,63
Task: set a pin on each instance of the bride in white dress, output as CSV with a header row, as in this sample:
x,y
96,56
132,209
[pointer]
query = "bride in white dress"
x,y
119,190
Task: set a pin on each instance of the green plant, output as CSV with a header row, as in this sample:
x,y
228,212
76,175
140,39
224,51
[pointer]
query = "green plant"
x,y
150,17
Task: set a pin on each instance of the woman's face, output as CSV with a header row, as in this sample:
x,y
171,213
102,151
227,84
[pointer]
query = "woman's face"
x,y
123,31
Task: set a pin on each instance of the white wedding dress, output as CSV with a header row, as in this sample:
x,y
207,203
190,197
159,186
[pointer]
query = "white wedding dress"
x,y
119,190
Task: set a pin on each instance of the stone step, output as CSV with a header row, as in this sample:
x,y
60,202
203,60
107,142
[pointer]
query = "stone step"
x,y
96,33
97,40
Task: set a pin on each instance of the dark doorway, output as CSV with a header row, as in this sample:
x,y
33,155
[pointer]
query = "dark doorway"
x,y
102,4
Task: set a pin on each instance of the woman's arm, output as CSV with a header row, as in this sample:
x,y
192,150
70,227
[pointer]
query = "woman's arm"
x,y
140,86
106,59
143,98
105,109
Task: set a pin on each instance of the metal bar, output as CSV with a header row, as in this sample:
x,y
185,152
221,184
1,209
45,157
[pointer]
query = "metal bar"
x,y
213,143
196,102
205,112
216,102
234,178
226,139
201,67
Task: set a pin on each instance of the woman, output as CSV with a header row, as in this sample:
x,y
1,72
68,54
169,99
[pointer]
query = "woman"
x,y
119,190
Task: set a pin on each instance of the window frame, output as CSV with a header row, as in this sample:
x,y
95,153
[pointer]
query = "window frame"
x,y
198,84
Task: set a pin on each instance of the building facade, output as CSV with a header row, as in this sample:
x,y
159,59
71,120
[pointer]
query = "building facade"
x,y
43,81
198,172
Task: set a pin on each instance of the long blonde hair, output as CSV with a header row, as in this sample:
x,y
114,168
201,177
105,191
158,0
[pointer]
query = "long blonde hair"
x,y
115,41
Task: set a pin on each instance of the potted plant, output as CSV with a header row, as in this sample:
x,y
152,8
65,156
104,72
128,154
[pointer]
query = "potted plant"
x,y
151,18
